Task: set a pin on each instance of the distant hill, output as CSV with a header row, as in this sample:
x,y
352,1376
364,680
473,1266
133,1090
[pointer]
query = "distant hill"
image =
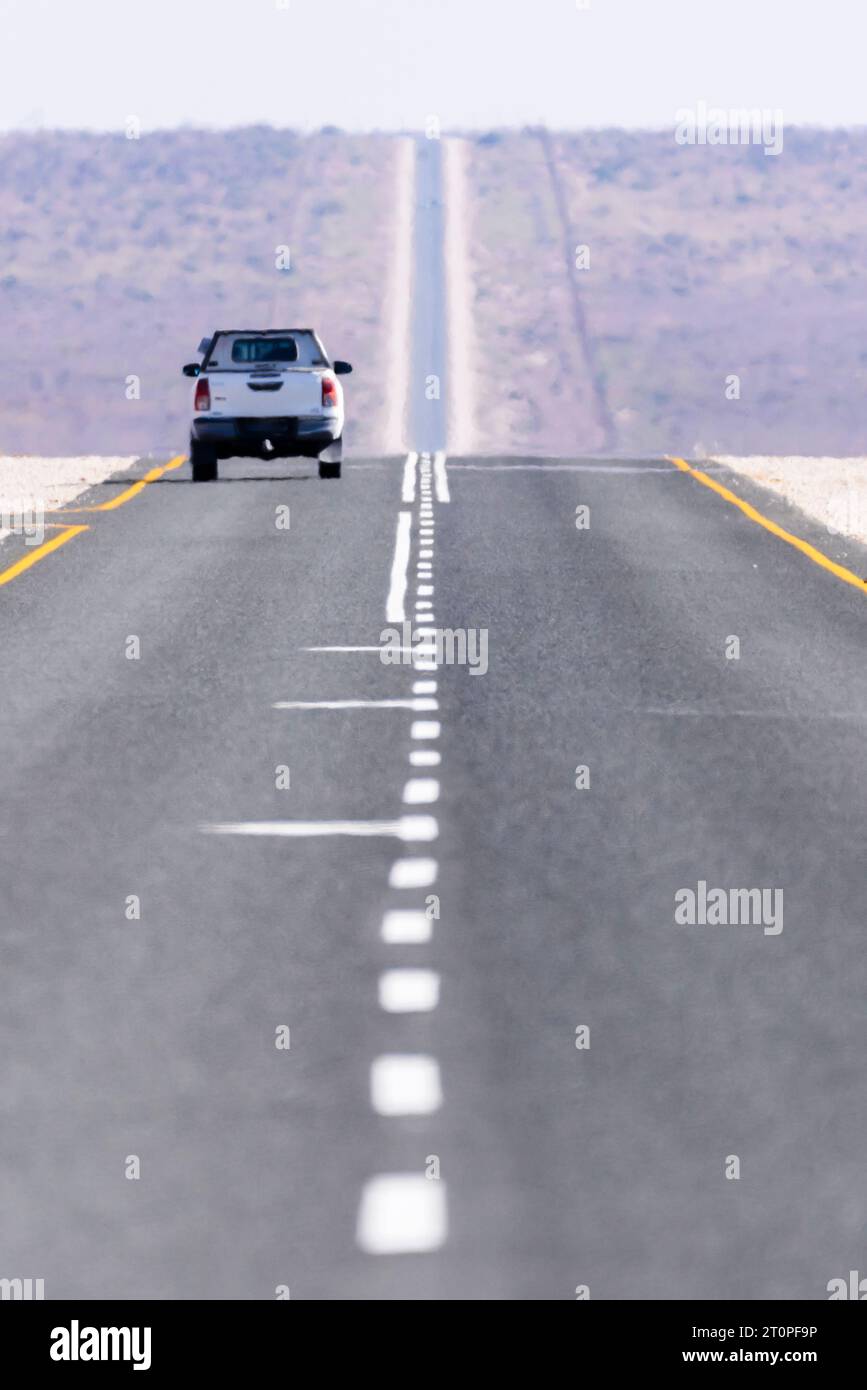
x,y
702,264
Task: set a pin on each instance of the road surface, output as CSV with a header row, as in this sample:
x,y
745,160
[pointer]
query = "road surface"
x,y
559,1167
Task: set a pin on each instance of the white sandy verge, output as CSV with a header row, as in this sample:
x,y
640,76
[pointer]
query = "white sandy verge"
x,y
833,491
30,487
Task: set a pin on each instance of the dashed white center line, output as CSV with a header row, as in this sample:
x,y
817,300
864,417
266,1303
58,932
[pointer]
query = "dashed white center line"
x,y
407,1212
413,873
402,1214
406,928
424,728
410,991
421,791
425,757
405,1083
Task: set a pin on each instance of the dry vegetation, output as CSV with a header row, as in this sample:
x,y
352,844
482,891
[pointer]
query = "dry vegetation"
x,y
531,373
704,262
117,256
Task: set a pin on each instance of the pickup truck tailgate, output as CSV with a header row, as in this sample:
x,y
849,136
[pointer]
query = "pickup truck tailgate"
x,y
275,392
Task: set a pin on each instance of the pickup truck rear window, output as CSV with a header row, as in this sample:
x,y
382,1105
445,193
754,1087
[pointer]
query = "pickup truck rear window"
x,y
264,350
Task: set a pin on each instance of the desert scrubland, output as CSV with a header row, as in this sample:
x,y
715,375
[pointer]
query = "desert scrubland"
x,y
692,265
117,255
627,295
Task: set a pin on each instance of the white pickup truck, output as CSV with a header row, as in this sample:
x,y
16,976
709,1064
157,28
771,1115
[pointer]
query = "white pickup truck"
x,y
265,394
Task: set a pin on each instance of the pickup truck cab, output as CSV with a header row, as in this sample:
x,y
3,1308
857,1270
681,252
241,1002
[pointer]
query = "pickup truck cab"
x,y
265,394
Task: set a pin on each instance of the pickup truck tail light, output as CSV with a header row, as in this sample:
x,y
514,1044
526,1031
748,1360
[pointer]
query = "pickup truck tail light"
x,y
202,399
329,391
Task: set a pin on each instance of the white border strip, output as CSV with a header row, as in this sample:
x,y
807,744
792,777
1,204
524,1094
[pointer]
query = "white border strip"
x,y
408,493
410,828
441,480
394,608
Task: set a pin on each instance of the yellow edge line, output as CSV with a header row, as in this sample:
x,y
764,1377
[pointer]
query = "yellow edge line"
x,y
136,488
132,491
68,532
40,553
847,576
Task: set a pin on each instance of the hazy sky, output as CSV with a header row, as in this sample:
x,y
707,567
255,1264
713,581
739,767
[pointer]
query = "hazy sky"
x,y
388,64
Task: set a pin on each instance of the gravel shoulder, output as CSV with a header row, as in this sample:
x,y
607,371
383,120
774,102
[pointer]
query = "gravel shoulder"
x,y
832,491
31,486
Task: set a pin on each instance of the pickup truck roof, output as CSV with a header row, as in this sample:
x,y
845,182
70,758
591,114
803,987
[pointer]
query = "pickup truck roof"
x,y
308,349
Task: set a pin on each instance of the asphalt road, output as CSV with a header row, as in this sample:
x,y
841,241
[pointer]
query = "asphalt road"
x,y
428,376
559,1167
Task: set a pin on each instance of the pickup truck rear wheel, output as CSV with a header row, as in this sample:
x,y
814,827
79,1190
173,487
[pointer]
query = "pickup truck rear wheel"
x,y
203,461
330,459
